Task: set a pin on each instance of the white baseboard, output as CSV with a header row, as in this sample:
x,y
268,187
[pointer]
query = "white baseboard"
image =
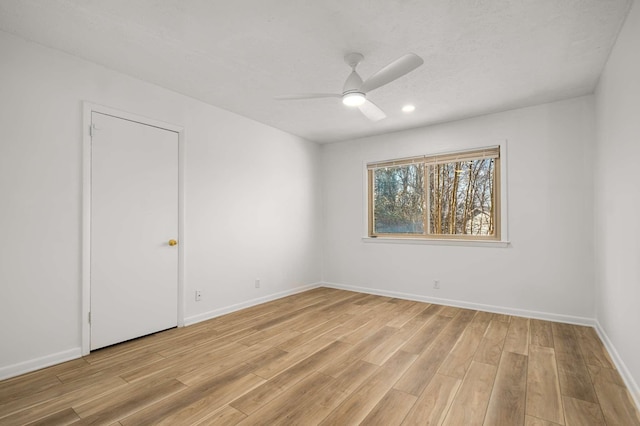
x,y
257,301
632,385
569,319
38,363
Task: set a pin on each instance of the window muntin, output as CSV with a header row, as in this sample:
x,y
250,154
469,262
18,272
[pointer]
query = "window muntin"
x,y
449,196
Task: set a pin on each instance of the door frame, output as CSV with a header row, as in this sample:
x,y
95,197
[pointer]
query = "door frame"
x,y
87,109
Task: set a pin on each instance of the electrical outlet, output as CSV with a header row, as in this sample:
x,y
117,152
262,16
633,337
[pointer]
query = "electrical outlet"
x,y
198,295
257,283
436,284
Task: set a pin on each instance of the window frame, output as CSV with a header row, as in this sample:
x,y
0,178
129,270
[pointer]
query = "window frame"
x,y
498,205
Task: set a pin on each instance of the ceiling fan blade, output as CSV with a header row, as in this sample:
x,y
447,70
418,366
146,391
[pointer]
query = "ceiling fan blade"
x,y
394,70
371,111
307,96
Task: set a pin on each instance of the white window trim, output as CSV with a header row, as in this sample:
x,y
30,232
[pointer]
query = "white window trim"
x,y
504,204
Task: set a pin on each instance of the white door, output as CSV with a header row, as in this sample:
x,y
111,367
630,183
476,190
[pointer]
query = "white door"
x,y
134,217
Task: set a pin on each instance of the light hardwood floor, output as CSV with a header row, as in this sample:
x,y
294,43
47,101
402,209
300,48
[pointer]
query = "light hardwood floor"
x,y
334,357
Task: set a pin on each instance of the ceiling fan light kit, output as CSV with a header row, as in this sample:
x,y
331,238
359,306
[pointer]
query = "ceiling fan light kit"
x,y
354,91
353,99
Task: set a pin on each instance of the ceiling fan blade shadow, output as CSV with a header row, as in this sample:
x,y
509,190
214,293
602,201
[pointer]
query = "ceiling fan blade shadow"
x,y
371,111
396,69
307,96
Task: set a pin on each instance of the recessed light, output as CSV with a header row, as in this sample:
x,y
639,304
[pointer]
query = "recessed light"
x,y
408,108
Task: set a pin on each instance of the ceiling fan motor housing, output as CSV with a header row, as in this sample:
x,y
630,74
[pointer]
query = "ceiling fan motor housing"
x,y
353,83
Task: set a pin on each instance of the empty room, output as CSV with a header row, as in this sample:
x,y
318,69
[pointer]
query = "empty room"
x,y
383,212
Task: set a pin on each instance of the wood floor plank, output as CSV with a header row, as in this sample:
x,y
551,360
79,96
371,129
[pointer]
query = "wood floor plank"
x,y
615,401
427,334
543,388
372,300
362,333
541,333
339,305
449,311
27,384
277,366
482,320
534,421
325,399
391,409
266,392
305,323
184,363
329,356
122,403
418,376
349,326
290,316
459,359
64,391
507,402
313,333
181,343
212,393
407,314
206,406
574,378
279,337
118,366
358,405
384,351
517,339
573,374
490,348
460,322
599,374
205,372
278,410
502,318
343,362
410,328
470,404
33,408
266,357
433,403
593,350
63,417
226,416
582,413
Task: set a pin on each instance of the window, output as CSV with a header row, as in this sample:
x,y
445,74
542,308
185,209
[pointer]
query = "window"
x,y
447,196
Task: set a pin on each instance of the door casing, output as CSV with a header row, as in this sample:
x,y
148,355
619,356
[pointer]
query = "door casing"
x,y
88,108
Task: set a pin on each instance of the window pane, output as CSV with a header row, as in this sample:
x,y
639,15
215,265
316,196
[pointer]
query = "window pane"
x,y
461,197
399,200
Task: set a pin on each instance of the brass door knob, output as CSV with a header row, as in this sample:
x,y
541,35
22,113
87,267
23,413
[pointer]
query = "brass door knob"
x,y
173,242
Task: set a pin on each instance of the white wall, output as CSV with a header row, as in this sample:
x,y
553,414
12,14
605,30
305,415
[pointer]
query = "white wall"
x,y
617,204
549,266
252,200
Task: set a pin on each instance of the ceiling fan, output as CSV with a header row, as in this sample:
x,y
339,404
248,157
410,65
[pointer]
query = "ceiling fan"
x,y
355,90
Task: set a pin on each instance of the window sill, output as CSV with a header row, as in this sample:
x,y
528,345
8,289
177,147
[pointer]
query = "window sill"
x,y
436,242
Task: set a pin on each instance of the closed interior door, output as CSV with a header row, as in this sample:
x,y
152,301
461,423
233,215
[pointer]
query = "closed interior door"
x,y
134,218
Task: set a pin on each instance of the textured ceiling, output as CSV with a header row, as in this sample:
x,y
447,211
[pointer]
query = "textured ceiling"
x,y
480,55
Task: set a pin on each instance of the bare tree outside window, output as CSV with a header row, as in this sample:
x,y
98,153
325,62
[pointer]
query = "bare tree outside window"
x,y
445,196
399,200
